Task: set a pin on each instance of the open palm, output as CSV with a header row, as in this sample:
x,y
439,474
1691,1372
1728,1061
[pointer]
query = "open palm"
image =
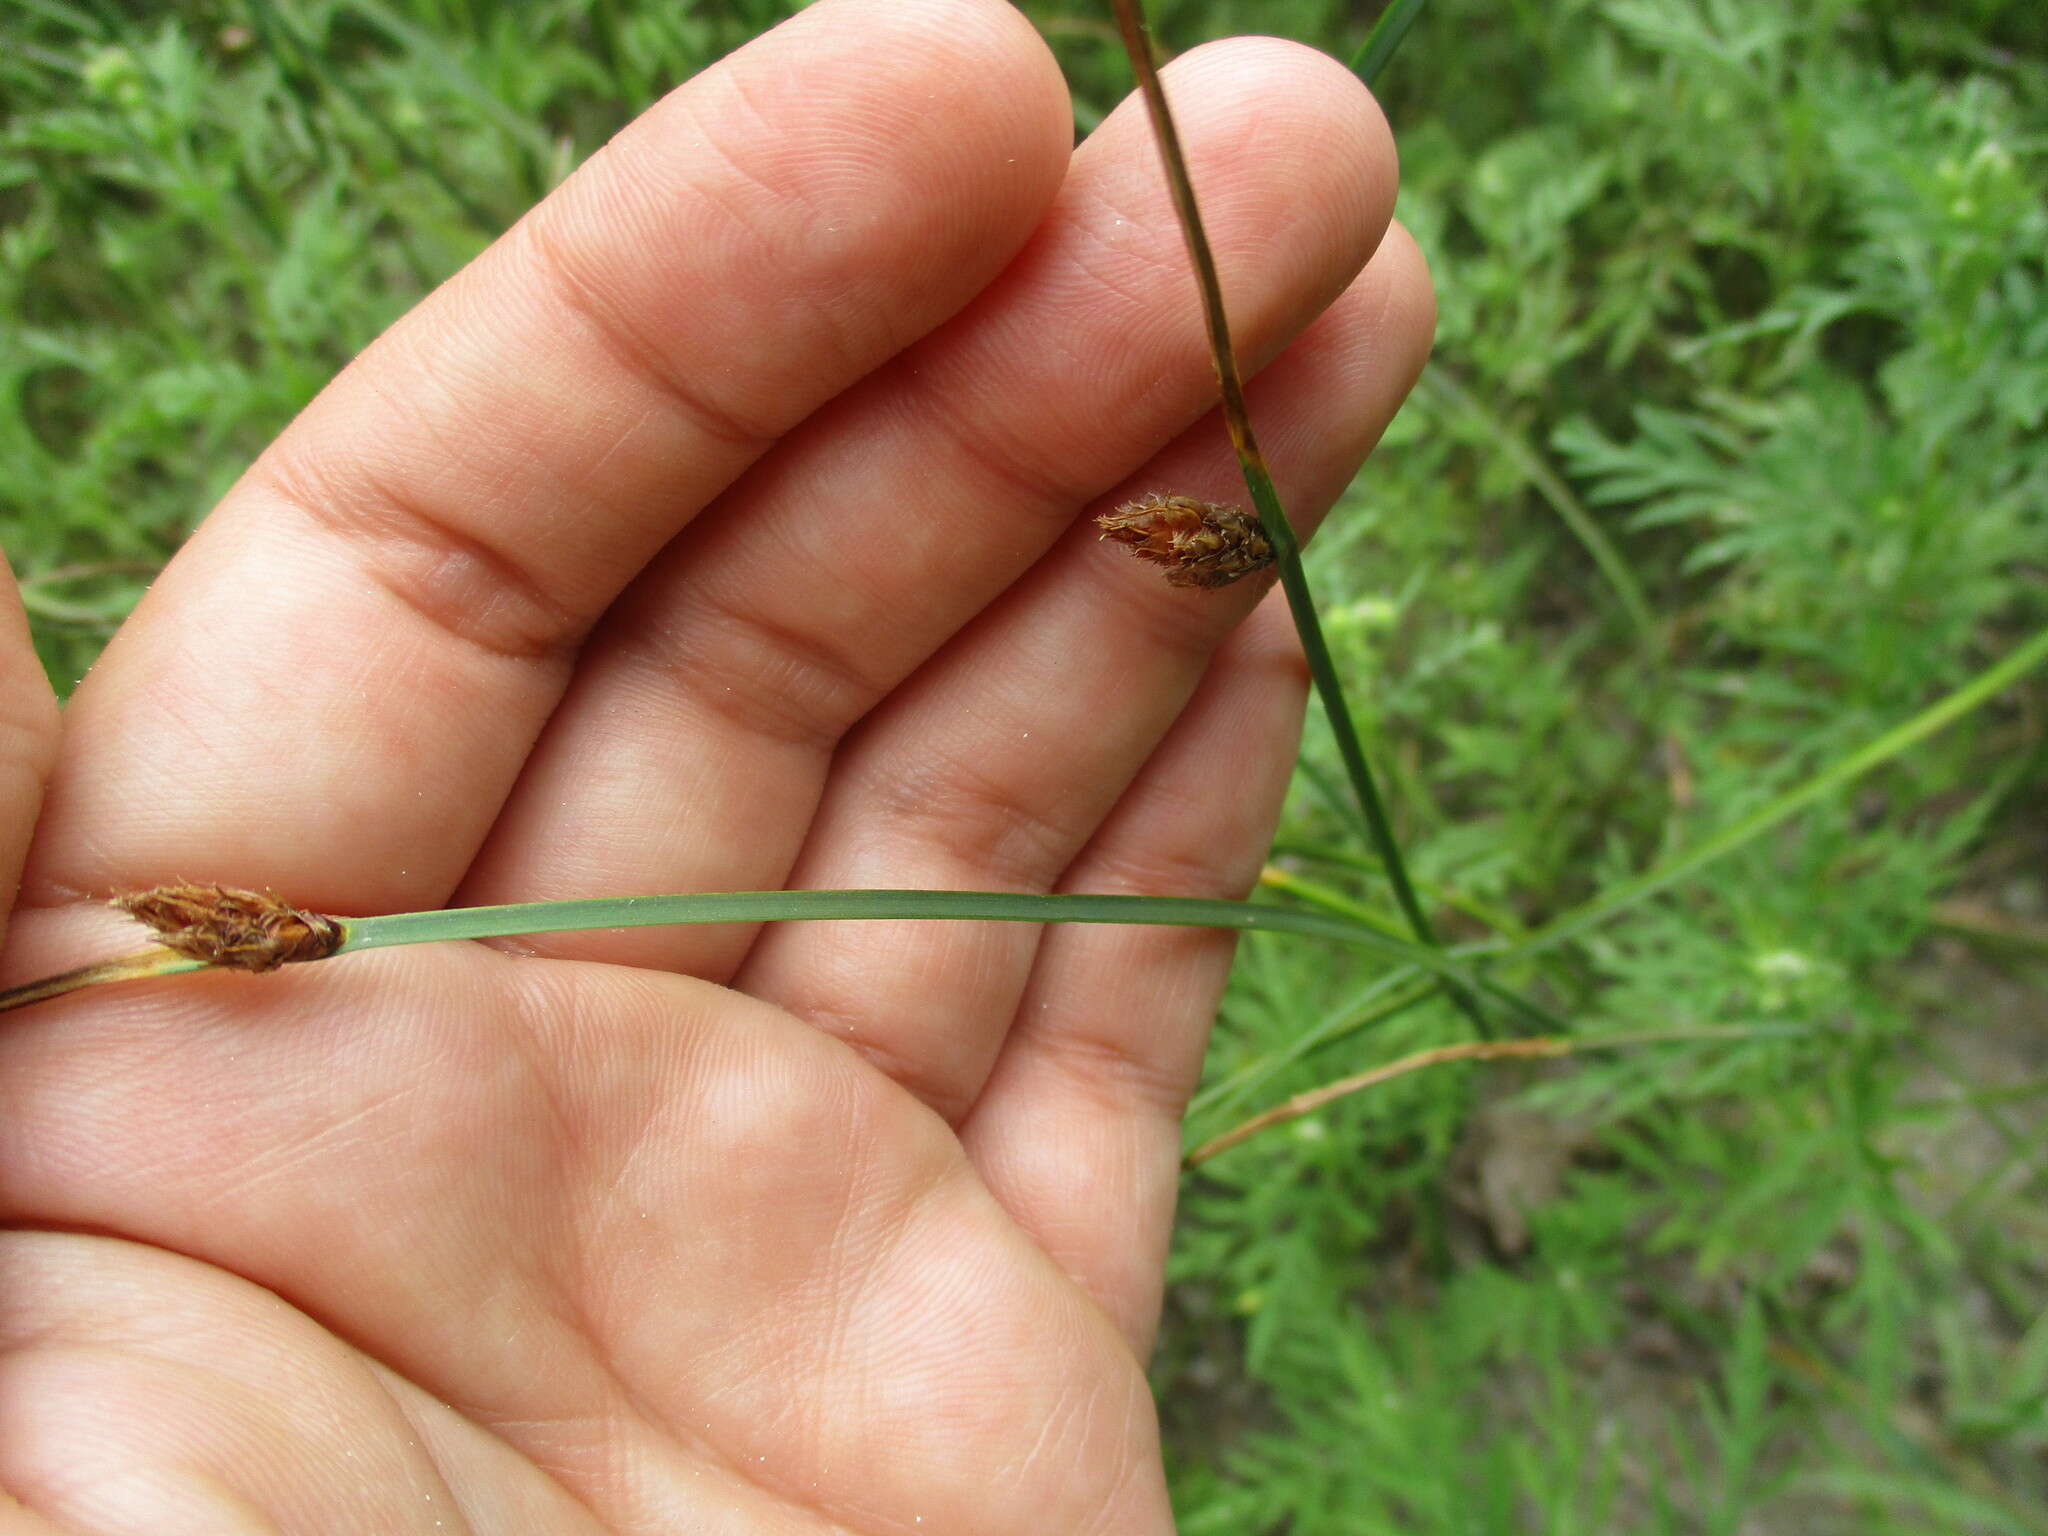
x,y
722,528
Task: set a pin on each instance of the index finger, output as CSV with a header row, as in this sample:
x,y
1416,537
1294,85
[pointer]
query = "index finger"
x,y
332,687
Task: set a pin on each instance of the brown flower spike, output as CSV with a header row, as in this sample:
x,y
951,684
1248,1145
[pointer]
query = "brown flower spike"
x,y
1201,543
240,930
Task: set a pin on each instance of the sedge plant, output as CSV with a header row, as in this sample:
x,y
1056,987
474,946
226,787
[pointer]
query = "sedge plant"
x,y
191,924
1722,479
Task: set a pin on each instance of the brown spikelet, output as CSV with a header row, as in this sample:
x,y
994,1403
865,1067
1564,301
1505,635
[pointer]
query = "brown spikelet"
x,y
241,930
1201,543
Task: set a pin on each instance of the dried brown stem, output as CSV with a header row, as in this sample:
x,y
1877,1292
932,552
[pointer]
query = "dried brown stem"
x,y
157,960
1313,1100
1237,418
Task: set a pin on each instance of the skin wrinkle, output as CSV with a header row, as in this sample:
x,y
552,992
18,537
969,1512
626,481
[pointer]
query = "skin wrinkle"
x,y
415,1407
861,1258
165,1346
201,751
588,1325
1043,482
818,689
280,1283
1251,219
53,1486
1086,979
523,440
431,568
28,743
1135,1413
883,215
425,1438
1053,1413
359,500
535,435
1023,488
450,457
1109,1071
889,212
743,205
1171,626
925,1079
628,351
829,308
972,822
682,642
1047,491
272,1163
853,1288
192,720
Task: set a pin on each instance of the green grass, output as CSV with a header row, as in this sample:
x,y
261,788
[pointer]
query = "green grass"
x,y
1731,461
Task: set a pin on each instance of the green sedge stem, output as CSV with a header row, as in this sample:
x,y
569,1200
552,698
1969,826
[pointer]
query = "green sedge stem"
x,y
1384,38
1272,516
600,912
1277,879
1330,690
1337,902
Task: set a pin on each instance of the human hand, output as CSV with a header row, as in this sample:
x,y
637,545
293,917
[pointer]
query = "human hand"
x,y
723,527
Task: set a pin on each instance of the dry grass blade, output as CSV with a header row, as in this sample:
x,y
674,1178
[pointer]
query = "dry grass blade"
x,y
156,960
1315,1098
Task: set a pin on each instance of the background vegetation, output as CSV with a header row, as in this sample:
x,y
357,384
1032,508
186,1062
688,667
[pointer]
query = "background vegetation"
x,y
1731,458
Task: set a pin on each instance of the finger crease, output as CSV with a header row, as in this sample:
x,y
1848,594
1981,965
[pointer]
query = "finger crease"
x,y
628,349
1111,1071
994,835
770,679
1009,467
458,583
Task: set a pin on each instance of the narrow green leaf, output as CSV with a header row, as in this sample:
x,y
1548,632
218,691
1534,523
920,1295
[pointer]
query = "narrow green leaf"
x,y
602,912
1337,902
1989,683
841,906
